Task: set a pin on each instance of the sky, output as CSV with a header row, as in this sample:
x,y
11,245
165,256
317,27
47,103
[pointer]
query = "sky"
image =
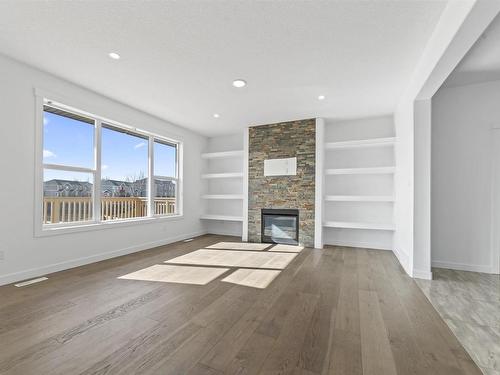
x,y
123,156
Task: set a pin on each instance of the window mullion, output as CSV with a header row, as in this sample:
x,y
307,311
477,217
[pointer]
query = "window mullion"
x,y
151,176
61,167
97,173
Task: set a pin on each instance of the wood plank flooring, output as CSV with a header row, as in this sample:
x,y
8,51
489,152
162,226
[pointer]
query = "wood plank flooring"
x,y
336,311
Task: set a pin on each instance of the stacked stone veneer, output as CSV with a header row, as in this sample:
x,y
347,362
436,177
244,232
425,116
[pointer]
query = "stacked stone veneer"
x,y
276,141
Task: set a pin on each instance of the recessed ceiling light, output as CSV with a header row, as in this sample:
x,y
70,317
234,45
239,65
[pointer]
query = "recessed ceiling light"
x,y
114,55
321,97
216,115
239,83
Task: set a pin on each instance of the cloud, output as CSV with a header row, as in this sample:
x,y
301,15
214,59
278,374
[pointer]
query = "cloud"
x,y
139,145
48,154
104,166
45,120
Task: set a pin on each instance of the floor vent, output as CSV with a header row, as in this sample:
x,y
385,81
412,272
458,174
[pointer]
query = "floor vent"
x,y
29,282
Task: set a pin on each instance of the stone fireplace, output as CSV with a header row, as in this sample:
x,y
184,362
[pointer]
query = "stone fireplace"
x,y
294,139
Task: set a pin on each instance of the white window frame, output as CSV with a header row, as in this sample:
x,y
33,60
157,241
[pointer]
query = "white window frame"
x,y
43,98
164,178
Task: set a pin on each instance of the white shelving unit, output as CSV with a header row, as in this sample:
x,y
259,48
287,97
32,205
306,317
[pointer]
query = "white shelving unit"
x,y
361,143
372,170
359,198
222,196
358,185
222,175
221,217
358,225
223,180
222,154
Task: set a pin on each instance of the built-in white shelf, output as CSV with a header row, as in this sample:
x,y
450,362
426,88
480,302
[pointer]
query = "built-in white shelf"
x,y
223,154
372,170
373,142
221,217
359,198
222,196
358,225
223,175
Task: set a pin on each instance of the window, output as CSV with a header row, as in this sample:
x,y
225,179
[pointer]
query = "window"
x,y
68,166
124,174
165,177
95,171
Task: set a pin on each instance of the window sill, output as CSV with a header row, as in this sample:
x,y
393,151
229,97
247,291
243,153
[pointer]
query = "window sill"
x,y
91,226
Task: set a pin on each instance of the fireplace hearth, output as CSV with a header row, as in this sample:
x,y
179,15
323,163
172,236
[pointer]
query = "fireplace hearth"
x,y
280,226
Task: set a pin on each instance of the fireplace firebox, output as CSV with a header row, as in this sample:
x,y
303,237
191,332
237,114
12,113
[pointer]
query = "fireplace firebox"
x,y
280,226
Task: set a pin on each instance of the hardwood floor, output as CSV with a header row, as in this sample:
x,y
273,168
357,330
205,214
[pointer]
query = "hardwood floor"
x,y
332,311
469,302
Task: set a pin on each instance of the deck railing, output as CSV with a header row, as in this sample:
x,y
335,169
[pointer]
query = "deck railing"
x,y
68,209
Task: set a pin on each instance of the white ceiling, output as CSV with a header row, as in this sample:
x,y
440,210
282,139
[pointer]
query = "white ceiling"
x,y
482,62
179,58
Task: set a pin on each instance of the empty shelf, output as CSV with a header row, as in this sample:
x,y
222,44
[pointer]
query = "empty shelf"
x,y
357,225
360,198
373,170
223,196
223,154
221,217
373,142
222,175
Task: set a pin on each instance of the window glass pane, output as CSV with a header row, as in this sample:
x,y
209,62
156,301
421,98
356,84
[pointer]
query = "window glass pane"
x,y
124,170
68,139
165,196
165,159
67,196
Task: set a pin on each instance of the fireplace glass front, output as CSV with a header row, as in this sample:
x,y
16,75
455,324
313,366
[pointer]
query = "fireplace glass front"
x,y
280,226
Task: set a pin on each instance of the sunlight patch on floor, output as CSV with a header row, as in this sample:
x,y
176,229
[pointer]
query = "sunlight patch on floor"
x,y
252,278
176,274
239,246
228,258
287,248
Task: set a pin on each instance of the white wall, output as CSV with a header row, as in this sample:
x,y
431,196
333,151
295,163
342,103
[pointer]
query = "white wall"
x,y
462,174
403,185
422,189
26,256
460,25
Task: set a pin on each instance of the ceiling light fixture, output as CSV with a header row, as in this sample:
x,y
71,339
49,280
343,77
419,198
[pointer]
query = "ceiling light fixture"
x,y
114,55
321,97
216,115
239,83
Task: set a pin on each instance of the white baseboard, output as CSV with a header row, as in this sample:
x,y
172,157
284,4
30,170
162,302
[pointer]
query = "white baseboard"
x,y
403,260
464,267
36,272
422,274
225,232
364,245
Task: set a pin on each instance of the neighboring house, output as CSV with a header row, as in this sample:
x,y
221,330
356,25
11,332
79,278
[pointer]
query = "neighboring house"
x,y
116,188
164,188
109,188
66,188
